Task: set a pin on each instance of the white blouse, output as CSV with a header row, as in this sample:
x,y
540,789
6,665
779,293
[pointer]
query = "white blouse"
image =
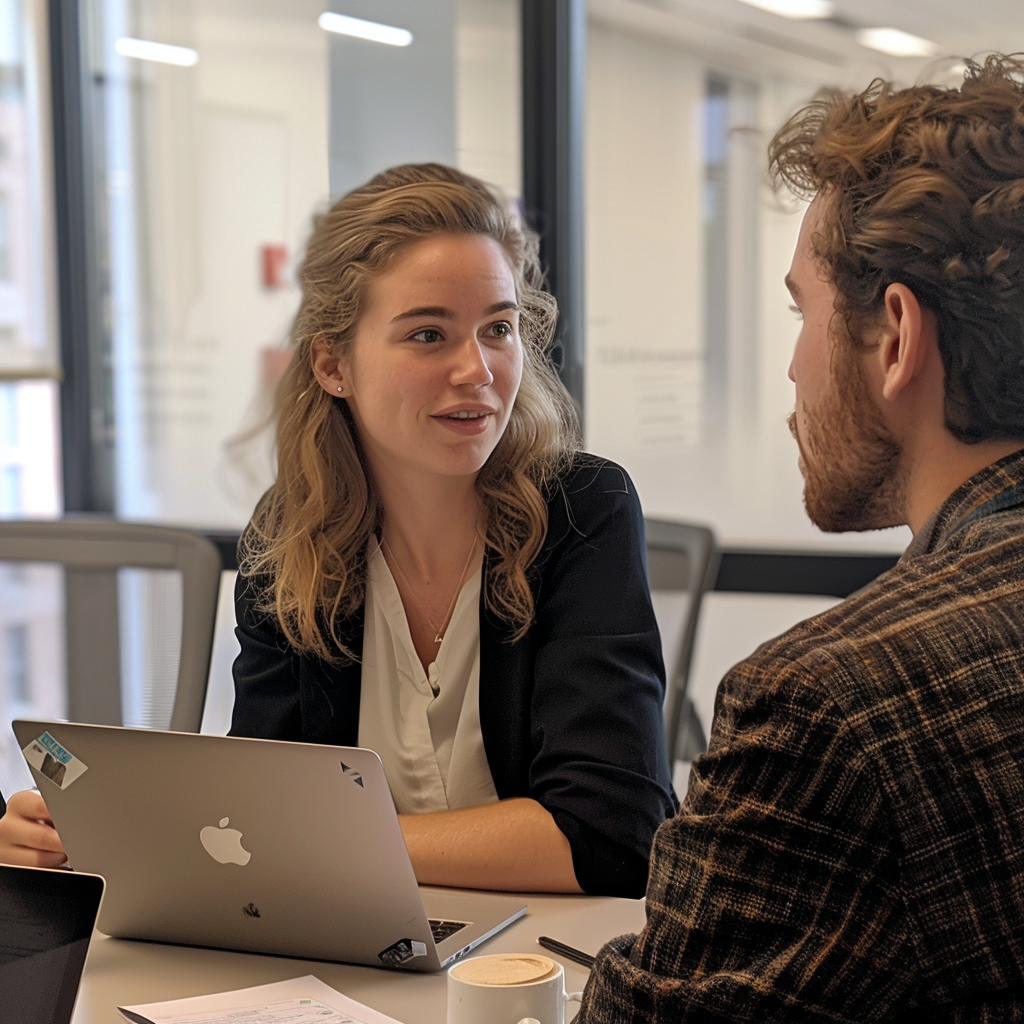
x,y
430,744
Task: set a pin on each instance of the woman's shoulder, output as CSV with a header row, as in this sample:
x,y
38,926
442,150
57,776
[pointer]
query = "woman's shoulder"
x,y
587,495
590,476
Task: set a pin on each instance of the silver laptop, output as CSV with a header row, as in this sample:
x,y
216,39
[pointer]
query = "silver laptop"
x,y
256,845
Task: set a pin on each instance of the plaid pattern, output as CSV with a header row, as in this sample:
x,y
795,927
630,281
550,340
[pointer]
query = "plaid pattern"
x,y
851,847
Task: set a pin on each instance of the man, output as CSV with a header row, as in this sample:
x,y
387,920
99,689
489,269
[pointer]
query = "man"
x,y
851,847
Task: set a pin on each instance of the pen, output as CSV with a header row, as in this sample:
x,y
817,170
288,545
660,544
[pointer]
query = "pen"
x,y
569,952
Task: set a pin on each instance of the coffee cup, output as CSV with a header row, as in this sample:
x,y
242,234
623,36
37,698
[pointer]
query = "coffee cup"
x,y
508,988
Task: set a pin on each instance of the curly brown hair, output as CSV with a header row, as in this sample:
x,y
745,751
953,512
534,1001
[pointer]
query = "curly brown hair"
x,y
305,548
925,187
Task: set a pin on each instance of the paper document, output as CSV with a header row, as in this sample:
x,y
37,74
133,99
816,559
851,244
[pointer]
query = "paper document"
x,y
299,1001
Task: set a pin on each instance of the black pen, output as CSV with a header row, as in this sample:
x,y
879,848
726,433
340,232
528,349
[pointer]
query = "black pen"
x,y
569,952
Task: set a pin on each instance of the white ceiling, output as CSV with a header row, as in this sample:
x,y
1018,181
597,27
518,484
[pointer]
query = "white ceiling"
x,y
745,38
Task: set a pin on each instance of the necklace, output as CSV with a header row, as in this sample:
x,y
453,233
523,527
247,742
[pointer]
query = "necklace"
x,y
438,630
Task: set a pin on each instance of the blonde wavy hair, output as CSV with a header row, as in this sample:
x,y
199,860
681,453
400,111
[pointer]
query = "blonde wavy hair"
x,y
305,549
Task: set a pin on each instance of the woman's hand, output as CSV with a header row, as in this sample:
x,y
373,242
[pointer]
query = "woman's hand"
x,y
513,845
27,835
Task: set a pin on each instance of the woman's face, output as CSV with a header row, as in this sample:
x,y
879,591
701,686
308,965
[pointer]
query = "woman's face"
x,y
435,361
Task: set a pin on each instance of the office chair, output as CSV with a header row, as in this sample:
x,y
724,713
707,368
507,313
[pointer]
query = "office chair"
x,y
681,564
91,552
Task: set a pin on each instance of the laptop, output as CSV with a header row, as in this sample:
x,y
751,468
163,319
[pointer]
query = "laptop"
x,y
46,921
255,845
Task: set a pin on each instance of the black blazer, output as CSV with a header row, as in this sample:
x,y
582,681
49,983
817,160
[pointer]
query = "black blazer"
x,y
571,714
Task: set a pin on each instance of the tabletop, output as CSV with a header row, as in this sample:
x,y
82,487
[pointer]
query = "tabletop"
x,y
122,972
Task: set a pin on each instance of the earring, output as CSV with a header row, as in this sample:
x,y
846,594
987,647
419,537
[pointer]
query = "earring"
x,y
340,389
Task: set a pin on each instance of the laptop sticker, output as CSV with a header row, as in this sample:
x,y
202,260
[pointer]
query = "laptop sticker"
x,y
60,766
401,952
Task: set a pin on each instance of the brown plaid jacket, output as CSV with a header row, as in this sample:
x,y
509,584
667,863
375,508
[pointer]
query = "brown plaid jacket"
x,y
851,847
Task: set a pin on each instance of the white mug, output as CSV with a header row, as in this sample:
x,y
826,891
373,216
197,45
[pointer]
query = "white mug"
x,y
508,988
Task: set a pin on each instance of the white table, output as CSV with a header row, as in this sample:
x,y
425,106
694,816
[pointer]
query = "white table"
x,y
122,972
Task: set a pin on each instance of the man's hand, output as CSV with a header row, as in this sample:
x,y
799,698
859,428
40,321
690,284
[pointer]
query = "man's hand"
x,y
27,835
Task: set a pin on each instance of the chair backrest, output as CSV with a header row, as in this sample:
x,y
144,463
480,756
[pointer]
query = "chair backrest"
x,y
92,551
681,561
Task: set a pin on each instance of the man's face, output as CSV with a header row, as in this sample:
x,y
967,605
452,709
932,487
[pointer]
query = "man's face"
x,y
849,459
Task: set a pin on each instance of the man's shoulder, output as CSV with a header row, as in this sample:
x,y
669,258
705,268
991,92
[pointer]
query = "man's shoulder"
x,y
950,612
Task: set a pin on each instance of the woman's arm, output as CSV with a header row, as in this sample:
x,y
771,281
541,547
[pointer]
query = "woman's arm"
x,y
27,835
599,762
512,844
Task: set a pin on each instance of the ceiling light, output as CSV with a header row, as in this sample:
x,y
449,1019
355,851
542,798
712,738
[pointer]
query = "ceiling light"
x,y
142,49
896,43
800,9
372,30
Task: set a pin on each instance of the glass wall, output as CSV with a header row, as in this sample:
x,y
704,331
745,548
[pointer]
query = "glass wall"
x,y
214,157
220,128
689,332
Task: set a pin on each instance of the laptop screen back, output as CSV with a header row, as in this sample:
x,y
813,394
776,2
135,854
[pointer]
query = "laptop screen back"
x,y
46,921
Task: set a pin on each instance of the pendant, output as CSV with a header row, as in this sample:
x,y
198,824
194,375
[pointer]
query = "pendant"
x,y
438,638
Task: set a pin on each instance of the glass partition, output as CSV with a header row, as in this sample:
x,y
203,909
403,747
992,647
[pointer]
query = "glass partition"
x,y
689,331
218,129
221,128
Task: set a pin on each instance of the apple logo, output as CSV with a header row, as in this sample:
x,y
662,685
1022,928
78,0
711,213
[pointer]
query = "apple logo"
x,y
224,844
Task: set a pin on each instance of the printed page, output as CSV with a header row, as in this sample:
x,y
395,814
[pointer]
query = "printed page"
x,y
298,1001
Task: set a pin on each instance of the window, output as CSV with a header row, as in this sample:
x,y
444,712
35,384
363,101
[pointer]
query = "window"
x,y
10,490
5,237
28,338
8,415
16,663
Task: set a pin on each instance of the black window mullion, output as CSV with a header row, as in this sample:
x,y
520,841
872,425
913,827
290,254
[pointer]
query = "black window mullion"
x,y
554,67
86,431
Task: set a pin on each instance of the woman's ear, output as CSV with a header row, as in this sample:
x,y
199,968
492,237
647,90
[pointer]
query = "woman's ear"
x,y
907,335
327,366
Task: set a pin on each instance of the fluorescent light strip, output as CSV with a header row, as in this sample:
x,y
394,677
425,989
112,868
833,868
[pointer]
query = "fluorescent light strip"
x,y
798,9
896,43
142,49
372,30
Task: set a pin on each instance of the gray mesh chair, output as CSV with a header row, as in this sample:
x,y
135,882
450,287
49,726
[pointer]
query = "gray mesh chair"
x,y
681,563
92,551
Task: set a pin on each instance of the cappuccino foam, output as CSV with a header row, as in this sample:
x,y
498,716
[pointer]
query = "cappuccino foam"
x,y
505,969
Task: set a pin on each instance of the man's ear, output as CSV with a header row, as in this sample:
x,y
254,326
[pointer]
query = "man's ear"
x,y
326,366
906,338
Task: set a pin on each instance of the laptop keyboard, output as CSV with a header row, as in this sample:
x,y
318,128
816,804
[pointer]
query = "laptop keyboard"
x,y
442,929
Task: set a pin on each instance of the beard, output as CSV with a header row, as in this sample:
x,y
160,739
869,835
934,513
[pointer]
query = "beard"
x,y
853,479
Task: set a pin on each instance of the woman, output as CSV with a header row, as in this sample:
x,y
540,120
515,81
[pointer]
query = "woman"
x,y
436,573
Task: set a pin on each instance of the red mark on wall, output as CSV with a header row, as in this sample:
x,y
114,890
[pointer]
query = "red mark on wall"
x,y
274,261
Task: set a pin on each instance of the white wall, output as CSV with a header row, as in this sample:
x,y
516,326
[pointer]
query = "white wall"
x,y
392,105
644,261
488,92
